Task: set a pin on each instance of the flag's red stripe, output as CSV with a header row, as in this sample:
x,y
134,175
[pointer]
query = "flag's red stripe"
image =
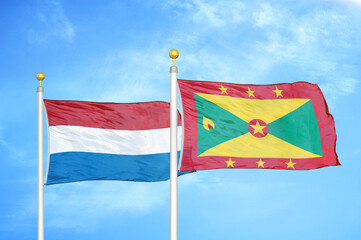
x,y
294,90
121,116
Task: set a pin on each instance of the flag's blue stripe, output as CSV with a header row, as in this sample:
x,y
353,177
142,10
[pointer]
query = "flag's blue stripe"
x,y
82,166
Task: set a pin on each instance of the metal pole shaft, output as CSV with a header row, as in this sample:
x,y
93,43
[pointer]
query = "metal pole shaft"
x,y
40,91
173,155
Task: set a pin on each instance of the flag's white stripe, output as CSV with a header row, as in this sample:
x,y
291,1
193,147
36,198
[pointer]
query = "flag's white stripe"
x,y
84,139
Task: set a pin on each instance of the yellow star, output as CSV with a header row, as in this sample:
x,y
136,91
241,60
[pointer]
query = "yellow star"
x,y
260,163
223,89
250,93
230,162
258,128
290,164
278,92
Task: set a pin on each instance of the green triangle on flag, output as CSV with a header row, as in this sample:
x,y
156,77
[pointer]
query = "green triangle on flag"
x,y
299,128
216,125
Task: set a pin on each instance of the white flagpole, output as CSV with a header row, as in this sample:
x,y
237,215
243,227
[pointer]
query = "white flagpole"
x,y
40,76
173,148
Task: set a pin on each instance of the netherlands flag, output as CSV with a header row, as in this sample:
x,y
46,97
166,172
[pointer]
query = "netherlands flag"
x,y
108,141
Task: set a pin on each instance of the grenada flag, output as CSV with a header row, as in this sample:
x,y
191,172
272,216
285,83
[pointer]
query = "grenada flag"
x,y
281,126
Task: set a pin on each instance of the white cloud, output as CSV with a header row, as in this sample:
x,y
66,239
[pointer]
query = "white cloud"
x,y
53,22
338,87
313,44
266,16
303,40
356,3
308,41
348,85
210,13
13,151
83,205
97,201
135,75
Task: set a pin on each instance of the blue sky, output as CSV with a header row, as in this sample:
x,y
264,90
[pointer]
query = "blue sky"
x,y
118,51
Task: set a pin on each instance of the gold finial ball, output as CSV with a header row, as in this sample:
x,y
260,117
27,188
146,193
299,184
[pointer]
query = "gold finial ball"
x,y
40,76
173,53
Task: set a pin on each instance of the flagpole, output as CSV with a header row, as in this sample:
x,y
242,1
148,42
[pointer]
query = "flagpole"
x,y
40,76
173,148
